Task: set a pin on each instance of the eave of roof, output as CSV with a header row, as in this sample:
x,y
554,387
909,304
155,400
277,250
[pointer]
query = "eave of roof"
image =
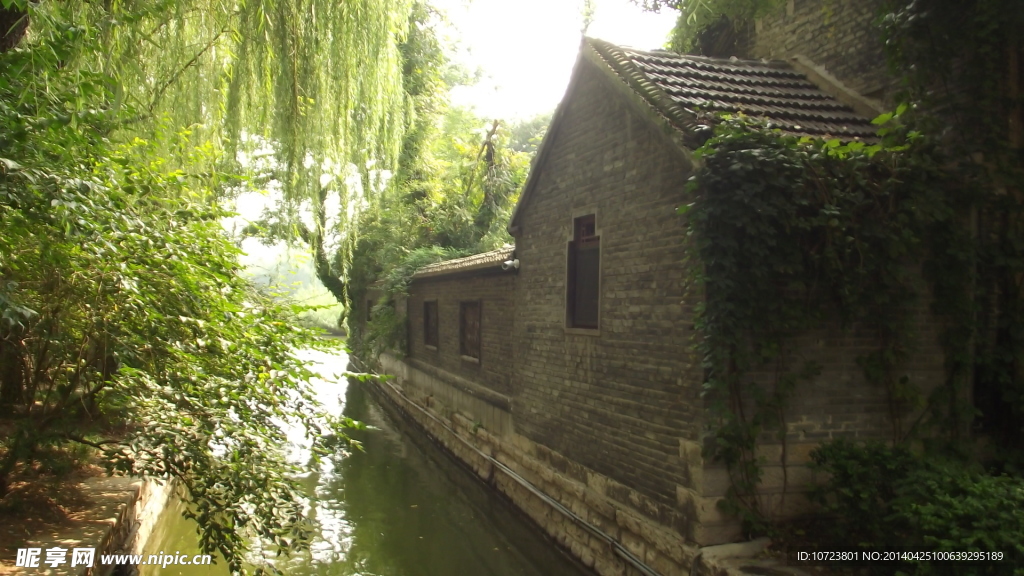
x,y
474,263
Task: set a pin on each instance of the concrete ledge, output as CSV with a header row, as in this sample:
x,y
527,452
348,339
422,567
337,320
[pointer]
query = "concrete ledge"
x,y
449,394
119,520
741,559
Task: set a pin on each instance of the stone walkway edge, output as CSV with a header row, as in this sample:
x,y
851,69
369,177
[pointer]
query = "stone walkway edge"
x,y
119,521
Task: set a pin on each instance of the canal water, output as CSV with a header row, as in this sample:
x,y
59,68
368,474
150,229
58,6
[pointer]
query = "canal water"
x,y
399,508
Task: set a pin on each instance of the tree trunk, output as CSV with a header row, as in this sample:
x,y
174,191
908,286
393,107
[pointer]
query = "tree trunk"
x,y
329,277
12,381
13,25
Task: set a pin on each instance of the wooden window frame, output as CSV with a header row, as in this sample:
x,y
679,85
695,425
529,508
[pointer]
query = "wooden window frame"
x,y
467,351
585,236
431,339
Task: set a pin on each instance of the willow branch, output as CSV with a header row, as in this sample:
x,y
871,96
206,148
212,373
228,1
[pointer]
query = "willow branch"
x,y
174,77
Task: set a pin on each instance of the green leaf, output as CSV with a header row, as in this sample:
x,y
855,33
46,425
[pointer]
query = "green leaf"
x,y
882,118
9,165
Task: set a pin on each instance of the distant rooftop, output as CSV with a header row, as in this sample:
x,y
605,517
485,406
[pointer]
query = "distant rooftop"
x,y
767,89
491,259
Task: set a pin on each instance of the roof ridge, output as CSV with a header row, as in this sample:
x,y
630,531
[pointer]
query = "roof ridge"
x,y
660,53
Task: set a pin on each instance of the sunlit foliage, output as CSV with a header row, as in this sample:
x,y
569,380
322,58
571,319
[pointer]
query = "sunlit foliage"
x,y
697,16
453,199
318,82
124,323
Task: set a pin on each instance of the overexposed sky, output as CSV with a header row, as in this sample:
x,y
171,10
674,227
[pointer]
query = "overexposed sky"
x,y
526,48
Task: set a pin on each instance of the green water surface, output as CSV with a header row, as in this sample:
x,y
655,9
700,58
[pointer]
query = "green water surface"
x,y
400,508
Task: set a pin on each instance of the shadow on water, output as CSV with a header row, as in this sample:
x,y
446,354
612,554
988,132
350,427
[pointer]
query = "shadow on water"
x,y
400,508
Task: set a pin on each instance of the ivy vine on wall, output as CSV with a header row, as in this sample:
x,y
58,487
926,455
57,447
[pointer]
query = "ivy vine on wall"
x,y
963,61
793,232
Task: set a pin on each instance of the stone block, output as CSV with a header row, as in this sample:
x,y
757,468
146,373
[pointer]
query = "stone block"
x,y
636,546
598,503
609,566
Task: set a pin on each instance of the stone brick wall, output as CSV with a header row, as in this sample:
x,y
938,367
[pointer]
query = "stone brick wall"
x,y
590,515
622,401
494,291
839,403
840,35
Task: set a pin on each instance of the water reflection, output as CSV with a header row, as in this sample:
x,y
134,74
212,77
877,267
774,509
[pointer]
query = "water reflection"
x,y
401,508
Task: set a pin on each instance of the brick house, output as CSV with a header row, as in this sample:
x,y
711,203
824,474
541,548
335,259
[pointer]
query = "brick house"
x,y
561,370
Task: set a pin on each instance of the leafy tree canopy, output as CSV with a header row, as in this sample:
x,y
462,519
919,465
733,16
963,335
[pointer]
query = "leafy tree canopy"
x,y
124,325
697,16
453,198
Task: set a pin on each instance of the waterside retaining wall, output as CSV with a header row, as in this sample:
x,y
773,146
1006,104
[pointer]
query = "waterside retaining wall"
x,y
602,523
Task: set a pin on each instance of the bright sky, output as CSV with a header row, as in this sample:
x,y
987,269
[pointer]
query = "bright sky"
x,y
526,48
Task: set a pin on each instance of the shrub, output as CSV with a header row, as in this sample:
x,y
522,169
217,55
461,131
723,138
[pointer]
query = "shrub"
x,y
887,497
864,482
943,507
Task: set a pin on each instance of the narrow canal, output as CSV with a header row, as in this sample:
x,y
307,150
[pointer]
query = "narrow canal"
x,y
400,508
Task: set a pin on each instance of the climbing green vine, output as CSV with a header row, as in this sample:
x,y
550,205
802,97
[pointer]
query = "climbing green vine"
x,y
794,233
964,63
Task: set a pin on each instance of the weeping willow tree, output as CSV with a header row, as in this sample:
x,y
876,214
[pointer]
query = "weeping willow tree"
x,y
317,82
320,79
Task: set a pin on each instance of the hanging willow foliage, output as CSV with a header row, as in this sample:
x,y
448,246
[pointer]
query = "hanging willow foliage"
x,y
320,80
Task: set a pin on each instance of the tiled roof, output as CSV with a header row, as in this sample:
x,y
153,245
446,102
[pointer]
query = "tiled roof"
x,y
491,259
682,86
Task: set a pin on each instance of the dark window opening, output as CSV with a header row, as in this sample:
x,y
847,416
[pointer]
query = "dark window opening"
x,y
584,274
430,335
469,329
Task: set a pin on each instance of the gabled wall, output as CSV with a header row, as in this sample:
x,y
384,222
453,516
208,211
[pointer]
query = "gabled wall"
x,y
623,402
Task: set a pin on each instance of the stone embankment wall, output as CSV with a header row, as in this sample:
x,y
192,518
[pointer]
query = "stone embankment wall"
x,y
599,521
475,432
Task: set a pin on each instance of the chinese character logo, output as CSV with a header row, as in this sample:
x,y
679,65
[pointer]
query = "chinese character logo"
x,y
56,556
82,556
28,557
